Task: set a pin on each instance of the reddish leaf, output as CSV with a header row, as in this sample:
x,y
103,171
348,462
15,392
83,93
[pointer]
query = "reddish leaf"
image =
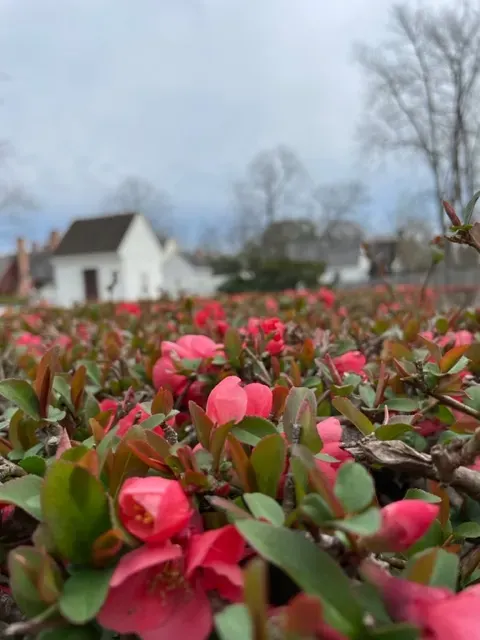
x,y
106,547
452,357
241,464
163,402
433,348
77,388
44,379
97,430
202,423
280,395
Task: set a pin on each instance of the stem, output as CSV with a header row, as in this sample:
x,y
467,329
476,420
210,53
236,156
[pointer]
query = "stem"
x,y
263,374
455,404
289,498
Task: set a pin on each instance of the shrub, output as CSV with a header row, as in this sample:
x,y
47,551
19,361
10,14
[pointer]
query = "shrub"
x,y
295,467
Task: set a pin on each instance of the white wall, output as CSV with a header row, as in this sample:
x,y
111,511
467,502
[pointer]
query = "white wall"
x,y
141,255
349,274
181,276
68,277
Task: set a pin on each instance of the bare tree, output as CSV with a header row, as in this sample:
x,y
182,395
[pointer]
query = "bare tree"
x,y
15,200
423,91
341,201
275,187
140,196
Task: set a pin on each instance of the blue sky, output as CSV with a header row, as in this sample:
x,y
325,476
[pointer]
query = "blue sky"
x,y
182,93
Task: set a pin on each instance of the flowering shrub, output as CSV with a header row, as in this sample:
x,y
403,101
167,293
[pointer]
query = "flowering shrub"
x,y
302,466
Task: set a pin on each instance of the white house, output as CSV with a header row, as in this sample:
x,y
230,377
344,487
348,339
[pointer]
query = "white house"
x,y
120,257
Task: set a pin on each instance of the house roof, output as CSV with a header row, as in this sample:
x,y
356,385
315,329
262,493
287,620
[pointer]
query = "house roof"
x,y
95,235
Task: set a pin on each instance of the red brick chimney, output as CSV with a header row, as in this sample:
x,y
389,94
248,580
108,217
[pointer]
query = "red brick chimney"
x,y
53,240
24,281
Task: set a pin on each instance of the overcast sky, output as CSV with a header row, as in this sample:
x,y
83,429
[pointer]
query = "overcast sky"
x,y
182,93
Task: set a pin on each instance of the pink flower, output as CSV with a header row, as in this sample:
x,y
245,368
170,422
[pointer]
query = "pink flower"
x,y
153,509
28,339
210,314
160,593
230,401
189,347
128,308
137,415
439,613
403,523
275,346
327,297
227,401
330,431
350,362
259,399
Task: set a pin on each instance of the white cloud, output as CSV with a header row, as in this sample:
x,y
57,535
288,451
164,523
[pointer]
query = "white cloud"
x,y
180,92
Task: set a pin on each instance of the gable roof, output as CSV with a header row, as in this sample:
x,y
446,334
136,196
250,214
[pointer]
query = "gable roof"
x,y
95,235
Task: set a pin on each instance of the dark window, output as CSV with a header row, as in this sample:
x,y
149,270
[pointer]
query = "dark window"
x,y
90,284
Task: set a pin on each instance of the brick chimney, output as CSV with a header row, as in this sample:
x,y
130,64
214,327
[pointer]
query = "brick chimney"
x,y
24,281
53,240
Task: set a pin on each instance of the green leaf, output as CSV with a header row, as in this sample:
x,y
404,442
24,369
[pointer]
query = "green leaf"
x,y
434,567
261,506
356,417
93,371
91,407
467,530
392,431
473,392
75,508
252,429
153,421
22,394
469,208
314,571
294,405
362,524
84,594
367,394
268,462
420,494
406,405
371,601
61,386
234,623
315,508
343,391
30,571
354,487
400,631
24,493
34,464
233,346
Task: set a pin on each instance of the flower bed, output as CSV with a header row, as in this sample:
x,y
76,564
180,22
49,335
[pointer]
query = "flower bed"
x,y
253,467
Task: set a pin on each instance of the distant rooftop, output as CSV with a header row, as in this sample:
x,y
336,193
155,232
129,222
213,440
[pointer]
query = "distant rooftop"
x,y
95,235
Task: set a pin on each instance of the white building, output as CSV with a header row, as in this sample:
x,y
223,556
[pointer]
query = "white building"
x,y
120,257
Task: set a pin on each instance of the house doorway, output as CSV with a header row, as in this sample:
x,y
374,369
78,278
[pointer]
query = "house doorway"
x,y
90,284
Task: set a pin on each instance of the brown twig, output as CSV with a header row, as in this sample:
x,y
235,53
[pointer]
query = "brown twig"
x,y
398,456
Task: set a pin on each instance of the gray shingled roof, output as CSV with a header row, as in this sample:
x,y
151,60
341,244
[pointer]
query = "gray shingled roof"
x,y
95,235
